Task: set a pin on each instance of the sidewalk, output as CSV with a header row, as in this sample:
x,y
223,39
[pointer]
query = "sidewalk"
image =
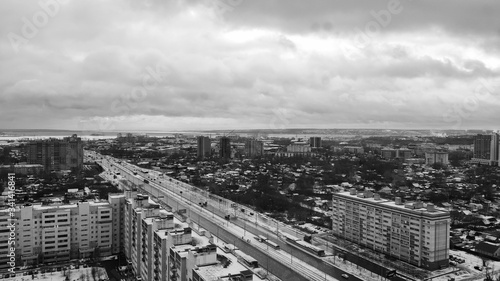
x,y
352,269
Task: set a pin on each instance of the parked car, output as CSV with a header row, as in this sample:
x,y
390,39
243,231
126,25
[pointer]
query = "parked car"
x,y
345,276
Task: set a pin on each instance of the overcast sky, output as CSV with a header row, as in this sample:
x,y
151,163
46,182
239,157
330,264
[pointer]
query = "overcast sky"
x,y
214,64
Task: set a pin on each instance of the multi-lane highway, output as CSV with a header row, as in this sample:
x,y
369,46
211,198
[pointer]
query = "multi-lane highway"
x,y
208,211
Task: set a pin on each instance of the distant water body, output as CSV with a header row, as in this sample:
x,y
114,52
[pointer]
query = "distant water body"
x,y
25,135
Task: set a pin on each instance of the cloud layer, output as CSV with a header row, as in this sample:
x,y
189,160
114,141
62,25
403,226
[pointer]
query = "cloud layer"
x,y
210,64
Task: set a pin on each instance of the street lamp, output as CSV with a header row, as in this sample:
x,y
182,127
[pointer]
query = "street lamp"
x,y
178,202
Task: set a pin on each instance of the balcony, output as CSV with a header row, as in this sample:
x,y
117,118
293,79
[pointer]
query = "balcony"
x,y
86,250
29,257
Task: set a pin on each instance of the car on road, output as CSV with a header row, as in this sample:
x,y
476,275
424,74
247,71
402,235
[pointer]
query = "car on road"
x,y
345,276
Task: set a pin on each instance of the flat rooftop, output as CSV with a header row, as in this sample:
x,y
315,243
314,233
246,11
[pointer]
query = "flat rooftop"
x,y
213,272
54,206
404,207
201,241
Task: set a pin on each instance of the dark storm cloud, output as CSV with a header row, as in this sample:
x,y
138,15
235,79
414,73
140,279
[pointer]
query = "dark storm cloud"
x,y
458,16
164,64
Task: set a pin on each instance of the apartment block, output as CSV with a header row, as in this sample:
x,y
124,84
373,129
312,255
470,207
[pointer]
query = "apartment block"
x,y
57,233
162,247
204,148
137,208
165,240
297,149
5,221
436,157
486,149
149,226
315,142
391,153
57,154
225,148
117,203
416,233
254,148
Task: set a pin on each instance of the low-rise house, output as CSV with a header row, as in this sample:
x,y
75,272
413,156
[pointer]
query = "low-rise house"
x,y
488,249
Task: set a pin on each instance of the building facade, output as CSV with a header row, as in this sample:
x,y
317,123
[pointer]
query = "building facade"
x,y
298,149
225,148
58,233
57,154
411,232
391,153
436,157
315,142
486,149
254,148
157,245
161,247
204,147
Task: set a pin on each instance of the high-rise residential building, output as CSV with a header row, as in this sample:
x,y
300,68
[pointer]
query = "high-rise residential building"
x,y
315,142
254,148
204,147
160,247
5,221
482,146
495,151
416,233
486,149
57,154
60,232
225,148
137,207
392,153
436,157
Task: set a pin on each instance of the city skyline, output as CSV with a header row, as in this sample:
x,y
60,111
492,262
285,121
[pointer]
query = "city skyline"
x,y
157,65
